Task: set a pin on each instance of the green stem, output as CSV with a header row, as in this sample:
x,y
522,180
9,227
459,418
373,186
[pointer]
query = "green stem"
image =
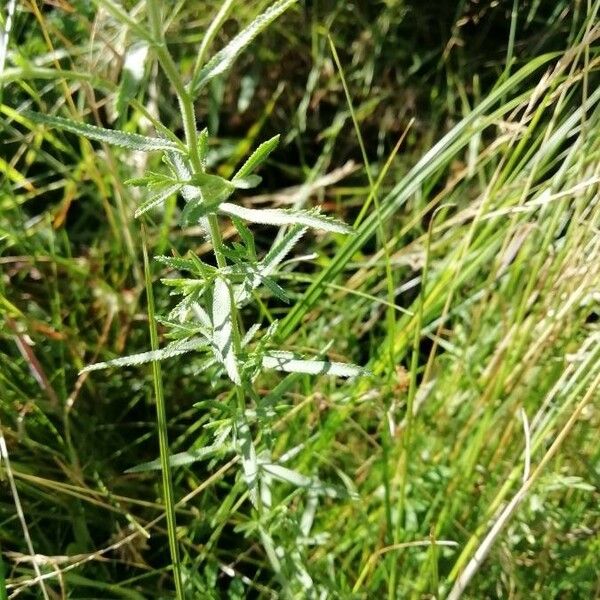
x,y
186,105
163,441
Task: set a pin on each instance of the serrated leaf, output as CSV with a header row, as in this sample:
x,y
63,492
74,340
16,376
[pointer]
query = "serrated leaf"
x,y
158,198
145,357
257,158
225,58
287,475
275,289
181,459
131,141
176,262
280,216
223,329
290,363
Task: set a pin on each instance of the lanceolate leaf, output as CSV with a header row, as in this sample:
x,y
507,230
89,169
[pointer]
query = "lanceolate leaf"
x,y
257,158
145,357
182,458
157,198
286,475
290,363
223,329
131,141
279,216
223,60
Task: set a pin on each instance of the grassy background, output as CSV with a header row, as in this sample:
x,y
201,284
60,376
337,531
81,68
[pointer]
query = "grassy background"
x,y
470,291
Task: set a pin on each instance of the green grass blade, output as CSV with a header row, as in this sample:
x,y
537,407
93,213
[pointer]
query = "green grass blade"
x,y
436,158
161,419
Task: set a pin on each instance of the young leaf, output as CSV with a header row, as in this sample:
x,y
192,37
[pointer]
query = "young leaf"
x,y
290,363
131,141
246,236
223,60
223,329
157,198
280,216
257,158
214,188
145,357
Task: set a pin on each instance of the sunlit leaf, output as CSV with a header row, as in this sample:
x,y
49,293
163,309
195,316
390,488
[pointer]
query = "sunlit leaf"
x,y
223,329
280,216
224,59
174,349
290,363
131,141
257,158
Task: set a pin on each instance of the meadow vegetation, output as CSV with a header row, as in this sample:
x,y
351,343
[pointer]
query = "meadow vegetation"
x,y
300,299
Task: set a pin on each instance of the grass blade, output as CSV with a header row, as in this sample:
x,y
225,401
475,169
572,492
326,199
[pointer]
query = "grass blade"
x,y
161,420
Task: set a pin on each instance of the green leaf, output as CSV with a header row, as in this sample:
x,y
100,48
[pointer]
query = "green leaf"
x,y
224,59
145,357
214,188
131,141
257,158
246,236
246,183
287,475
247,453
157,198
181,459
223,329
290,363
203,146
280,216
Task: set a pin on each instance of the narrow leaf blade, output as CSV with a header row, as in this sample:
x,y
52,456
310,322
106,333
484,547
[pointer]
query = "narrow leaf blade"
x,y
257,158
290,363
279,216
157,198
181,459
224,59
131,141
223,329
146,357
287,475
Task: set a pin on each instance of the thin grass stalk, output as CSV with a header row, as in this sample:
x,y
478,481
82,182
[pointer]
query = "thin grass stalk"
x,y
161,420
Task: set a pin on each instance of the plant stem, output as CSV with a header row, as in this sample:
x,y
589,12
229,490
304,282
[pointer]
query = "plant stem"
x,y
163,441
